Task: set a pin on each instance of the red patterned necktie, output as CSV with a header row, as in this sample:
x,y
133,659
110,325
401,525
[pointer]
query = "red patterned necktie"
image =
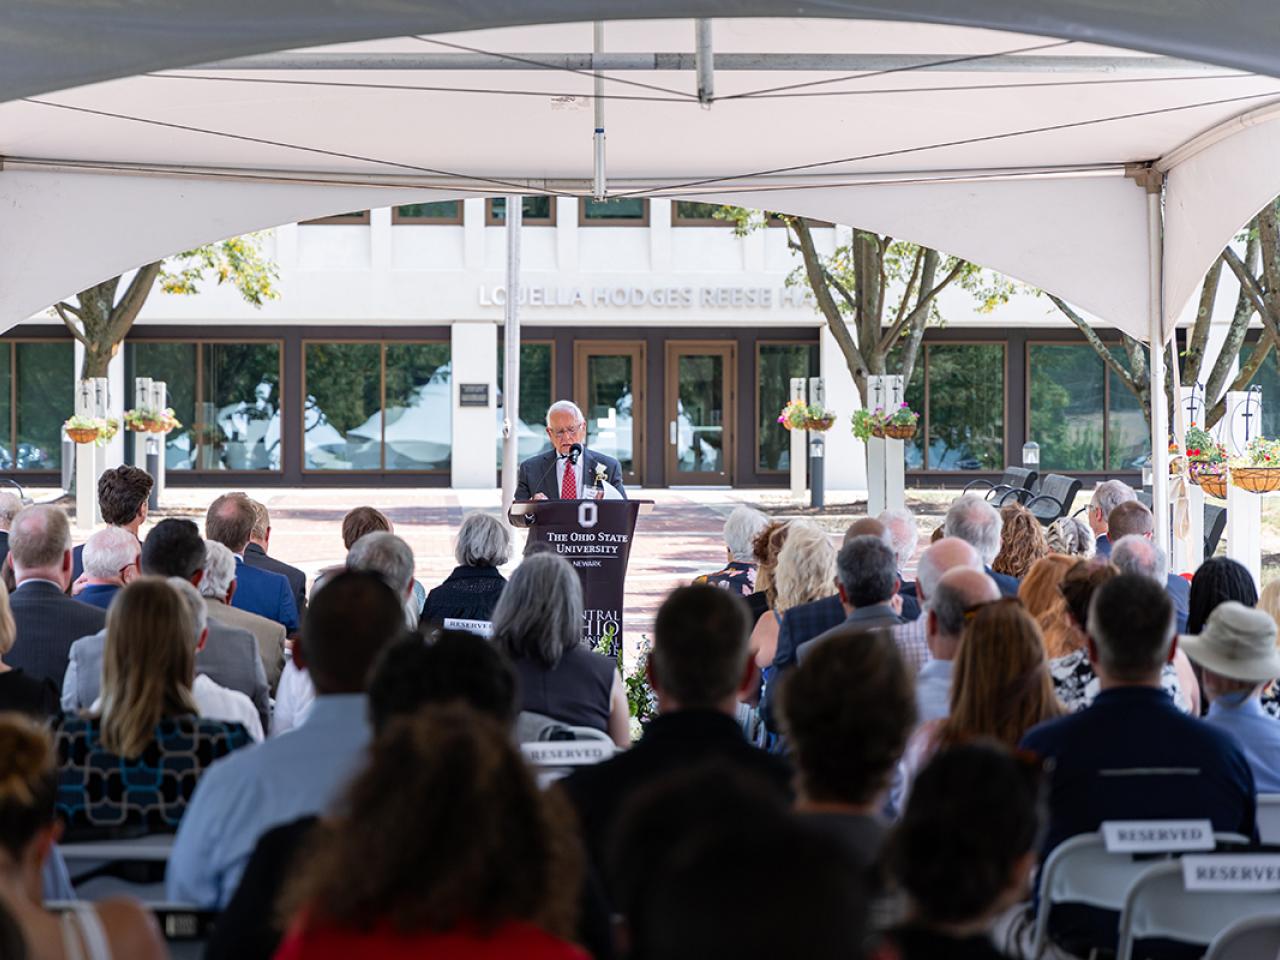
x,y
569,485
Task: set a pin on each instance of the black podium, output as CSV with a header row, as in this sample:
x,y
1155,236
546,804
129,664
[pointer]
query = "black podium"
x,y
595,536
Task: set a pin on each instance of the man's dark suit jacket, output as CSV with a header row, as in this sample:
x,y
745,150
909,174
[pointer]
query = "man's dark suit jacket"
x,y
48,623
538,474
77,562
4,545
877,617
255,556
799,624
265,593
1007,585
671,742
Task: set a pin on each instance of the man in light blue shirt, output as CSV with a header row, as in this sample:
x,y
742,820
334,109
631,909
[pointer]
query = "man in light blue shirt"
x,y
1237,653
303,771
949,581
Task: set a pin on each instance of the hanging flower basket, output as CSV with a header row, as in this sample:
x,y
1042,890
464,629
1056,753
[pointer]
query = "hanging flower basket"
x,y
108,427
147,420
1209,477
1214,485
820,424
798,415
1256,479
81,434
900,431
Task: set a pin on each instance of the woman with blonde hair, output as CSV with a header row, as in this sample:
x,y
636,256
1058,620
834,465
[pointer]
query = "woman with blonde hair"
x,y
1269,603
805,571
1041,594
146,730
1022,541
18,691
116,927
1000,687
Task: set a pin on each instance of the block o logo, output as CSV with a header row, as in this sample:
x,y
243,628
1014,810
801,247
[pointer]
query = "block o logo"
x,y
588,514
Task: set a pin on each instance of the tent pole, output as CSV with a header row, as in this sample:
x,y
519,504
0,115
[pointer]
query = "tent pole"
x,y
598,187
511,354
1155,335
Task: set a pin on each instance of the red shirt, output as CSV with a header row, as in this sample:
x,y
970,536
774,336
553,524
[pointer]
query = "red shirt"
x,y
514,939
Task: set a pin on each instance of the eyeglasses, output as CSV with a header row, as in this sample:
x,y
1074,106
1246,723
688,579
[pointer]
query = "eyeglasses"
x,y
566,431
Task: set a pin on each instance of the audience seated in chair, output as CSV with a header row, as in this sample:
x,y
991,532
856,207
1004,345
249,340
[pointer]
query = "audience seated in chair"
x,y
10,504
1022,541
218,586
1134,519
848,710
741,528
964,851
767,548
538,624
20,693
903,537
348,624
230,521
1133,755
1218,580
1000,689
805,572
454,667
479,863
971,519
29,828
230,658
110,561
1108,495
867,584
698,668
1071,537
1269,602
471,591
48,621
356,524
1236,652
255,555
123,496
952,594
391,558
1075,678
147,732
1041,594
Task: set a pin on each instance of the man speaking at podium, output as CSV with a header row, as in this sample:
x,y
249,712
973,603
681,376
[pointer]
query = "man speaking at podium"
x,y
570,470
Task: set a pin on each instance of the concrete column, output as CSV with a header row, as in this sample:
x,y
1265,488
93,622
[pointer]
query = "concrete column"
x,y
474,463
846,467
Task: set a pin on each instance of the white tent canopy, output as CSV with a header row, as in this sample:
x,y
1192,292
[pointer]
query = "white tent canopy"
x,y
1043,156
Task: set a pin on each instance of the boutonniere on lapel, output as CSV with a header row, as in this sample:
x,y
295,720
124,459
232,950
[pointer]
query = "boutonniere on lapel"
x,y
601,472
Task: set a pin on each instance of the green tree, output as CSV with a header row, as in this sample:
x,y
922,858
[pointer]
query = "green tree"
x,y
877,293
101,316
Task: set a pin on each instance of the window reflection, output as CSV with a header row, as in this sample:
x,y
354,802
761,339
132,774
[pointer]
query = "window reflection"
x,y
610,400
779,363
965,407
418,425
1067,404
700,414
46,397
535,399
241,412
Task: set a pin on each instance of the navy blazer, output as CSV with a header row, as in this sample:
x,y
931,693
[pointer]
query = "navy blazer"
x,y
538,474
48,623
265,593
1008,585
255,556
1179,591
799,624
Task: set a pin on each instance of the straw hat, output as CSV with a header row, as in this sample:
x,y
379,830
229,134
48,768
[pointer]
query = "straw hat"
x,y
1237,642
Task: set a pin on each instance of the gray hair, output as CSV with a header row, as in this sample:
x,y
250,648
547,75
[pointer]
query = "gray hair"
x,y
539,612
565,406
219,570
1109,494
977,523
929,571
948,603
1070,536
483,541
109,551
386,554
195,603
1136,554
740,530
868,571
39,537
903,533
9,507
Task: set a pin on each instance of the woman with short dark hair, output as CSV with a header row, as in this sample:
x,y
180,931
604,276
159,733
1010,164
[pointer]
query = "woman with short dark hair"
x,y
472,590
443,847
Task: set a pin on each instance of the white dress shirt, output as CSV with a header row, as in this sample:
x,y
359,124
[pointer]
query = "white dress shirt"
x,y
216,702
294,697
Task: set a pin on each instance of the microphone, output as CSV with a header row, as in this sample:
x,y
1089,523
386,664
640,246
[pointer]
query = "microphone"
x,y
574,453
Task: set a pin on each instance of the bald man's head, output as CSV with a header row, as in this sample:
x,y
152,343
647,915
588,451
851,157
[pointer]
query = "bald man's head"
x,y
867,527
946,554
960,589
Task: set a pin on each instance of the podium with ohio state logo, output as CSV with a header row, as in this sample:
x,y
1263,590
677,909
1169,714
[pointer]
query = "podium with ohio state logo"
x,y
595,536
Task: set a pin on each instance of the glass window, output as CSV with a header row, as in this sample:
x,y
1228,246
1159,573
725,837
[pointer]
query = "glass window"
x,y
418,420
777,364
1128,436
175,364
536,384
1268,377
1067,402
46,397
965,406
342,416
538,211
240,408
440,211
360,216
692,213
624,210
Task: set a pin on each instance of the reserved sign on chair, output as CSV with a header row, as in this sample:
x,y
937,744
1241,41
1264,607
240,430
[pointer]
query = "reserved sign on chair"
x,y
1225,872
1157,836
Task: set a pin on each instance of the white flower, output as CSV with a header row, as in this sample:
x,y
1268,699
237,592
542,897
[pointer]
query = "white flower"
x,y
601,471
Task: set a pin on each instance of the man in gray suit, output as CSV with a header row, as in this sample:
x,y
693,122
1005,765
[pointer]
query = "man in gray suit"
x,y
217,587
47,620
230,655
867,578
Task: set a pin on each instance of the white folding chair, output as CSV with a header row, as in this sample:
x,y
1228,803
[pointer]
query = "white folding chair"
x,y
1253,938
88,857
1159,905
553,759
1080,870
1269,817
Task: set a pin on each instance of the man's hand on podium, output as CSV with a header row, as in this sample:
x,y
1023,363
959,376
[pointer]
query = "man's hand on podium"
x,y
539,496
